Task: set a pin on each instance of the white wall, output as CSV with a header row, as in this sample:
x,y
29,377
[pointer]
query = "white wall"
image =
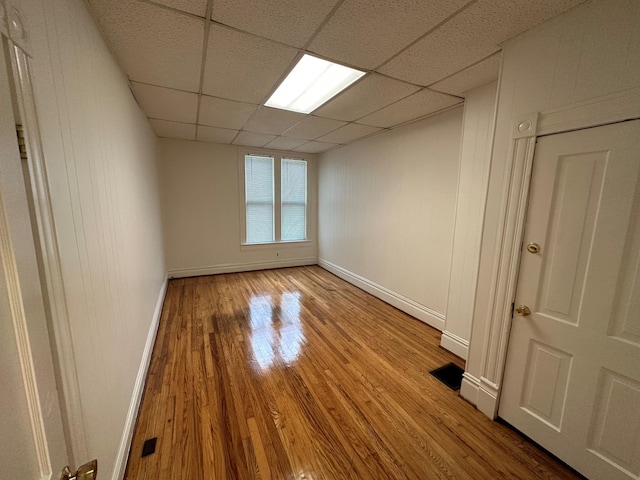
x,y
387,213
100,156
201,207
589,52
475,156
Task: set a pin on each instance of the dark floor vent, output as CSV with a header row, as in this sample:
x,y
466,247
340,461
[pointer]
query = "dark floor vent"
x,y
149,446
450,375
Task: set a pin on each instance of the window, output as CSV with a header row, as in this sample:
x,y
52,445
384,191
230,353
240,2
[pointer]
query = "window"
x,y
275,198
258,180
294,199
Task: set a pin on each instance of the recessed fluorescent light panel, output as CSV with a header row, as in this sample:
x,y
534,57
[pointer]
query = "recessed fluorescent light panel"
x,y
311,83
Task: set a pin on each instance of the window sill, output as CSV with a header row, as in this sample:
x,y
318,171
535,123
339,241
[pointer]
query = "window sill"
x,y
274,245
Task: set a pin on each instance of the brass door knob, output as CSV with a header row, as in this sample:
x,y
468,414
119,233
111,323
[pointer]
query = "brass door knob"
x,y
88,471
523,310
533,248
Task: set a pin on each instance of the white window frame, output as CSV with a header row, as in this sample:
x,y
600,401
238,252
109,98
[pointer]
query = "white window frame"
x,y
278,156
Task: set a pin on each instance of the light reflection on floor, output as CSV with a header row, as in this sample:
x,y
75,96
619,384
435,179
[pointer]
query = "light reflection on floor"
x,y
277,334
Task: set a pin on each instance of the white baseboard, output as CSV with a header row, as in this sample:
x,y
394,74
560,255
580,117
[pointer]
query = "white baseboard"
x,y
136,397
425,314
455,344
241,267
481,393
488,398
469,389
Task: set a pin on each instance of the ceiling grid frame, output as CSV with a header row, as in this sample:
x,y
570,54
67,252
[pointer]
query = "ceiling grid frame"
x,y
119,22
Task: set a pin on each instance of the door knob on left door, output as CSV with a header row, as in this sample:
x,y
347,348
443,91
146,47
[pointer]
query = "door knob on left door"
x,y
523,310
88,471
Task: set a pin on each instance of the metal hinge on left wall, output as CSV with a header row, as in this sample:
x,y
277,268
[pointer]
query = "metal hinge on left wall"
x,y
21,142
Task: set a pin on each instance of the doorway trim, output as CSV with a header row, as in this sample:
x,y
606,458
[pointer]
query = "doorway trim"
x,y
14,26
613,108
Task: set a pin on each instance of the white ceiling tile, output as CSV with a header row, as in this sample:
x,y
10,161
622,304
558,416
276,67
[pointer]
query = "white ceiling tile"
x,y
315,147
154,45
166,104
372,93
196,7
214,134
469,37
272,120
472,77
285,143
288,21
242,67
314,127
348,133
218,112
415,106
366,33
165,129
251,139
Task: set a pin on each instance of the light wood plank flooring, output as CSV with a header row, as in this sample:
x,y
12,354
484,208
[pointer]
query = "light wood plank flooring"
x,y
295,374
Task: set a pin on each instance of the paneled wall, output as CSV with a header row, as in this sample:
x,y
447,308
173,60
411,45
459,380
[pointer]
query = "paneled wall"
x,y
587,53
202,213
100,156
387,208
475,157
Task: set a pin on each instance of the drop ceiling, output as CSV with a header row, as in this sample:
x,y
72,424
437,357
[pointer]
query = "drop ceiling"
x,y
202,69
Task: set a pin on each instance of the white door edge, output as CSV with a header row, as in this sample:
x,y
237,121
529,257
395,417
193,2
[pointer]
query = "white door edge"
x,y
608,109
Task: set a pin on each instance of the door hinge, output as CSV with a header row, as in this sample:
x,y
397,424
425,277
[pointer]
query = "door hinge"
x,y
513,306
22,146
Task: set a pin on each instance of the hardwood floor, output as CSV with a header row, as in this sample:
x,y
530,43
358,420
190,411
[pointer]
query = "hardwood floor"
x,y
295,374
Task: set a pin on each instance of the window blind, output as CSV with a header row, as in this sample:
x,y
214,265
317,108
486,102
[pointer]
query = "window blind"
x,y
258,177
293,199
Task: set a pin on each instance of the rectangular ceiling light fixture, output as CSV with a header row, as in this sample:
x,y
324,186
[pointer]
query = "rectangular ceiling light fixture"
x,y
311,83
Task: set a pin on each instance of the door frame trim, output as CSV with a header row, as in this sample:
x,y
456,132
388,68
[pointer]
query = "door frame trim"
x,y
613,108
20,326
14,26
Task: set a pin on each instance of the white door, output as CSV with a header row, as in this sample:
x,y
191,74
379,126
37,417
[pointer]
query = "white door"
x,y
32,443
572,378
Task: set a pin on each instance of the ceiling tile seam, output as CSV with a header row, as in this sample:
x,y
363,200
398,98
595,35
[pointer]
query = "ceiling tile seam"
x,y
323,23
206,125
442,93
430,31
327,133
340,93
265,133
173,9
329,149
372,112
316,116
428,115
499,50
301,50
253,34
231,100
349,142
177,121
391,77
311,141
162,86
203,60
386,106
340,62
